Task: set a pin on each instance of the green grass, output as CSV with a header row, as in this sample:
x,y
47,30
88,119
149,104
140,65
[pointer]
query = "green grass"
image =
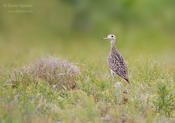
x,y
149,98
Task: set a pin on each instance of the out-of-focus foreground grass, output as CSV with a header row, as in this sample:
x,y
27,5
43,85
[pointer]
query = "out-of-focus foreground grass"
x,y
74,30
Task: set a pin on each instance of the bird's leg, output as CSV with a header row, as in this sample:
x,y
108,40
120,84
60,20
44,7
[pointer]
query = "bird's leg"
x,y
112,73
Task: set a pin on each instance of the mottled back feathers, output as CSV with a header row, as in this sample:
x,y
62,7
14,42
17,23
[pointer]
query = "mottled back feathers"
x,y
117,64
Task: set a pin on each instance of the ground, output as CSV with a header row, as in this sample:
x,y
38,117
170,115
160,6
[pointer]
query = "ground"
x,y
149,98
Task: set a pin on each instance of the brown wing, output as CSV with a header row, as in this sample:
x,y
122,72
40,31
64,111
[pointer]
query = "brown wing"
x,y
118,65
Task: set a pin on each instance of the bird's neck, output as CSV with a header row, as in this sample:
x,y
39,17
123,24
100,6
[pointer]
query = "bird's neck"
x,y
112,44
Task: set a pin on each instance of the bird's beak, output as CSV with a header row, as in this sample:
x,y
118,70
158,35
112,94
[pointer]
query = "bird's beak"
x,y
105,38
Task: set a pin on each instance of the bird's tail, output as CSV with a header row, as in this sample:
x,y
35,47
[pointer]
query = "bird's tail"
x,y
127,80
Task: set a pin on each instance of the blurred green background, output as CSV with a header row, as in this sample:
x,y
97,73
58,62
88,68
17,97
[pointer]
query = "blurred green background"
x,y
76,27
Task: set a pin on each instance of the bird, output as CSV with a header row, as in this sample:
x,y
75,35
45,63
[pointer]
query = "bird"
x,y
115,61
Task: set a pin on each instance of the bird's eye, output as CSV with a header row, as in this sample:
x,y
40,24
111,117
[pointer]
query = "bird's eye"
x,y
112,36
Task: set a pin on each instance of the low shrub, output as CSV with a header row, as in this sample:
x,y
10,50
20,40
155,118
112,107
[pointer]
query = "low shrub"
x,y
52,70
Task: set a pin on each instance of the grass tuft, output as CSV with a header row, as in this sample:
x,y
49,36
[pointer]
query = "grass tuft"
x,y
52,70
165,102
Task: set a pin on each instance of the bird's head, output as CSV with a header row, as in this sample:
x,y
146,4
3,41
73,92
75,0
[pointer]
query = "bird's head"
x,y
110,37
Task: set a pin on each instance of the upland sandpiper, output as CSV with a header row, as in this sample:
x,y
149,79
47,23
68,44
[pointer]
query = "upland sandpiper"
x,y
115,61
